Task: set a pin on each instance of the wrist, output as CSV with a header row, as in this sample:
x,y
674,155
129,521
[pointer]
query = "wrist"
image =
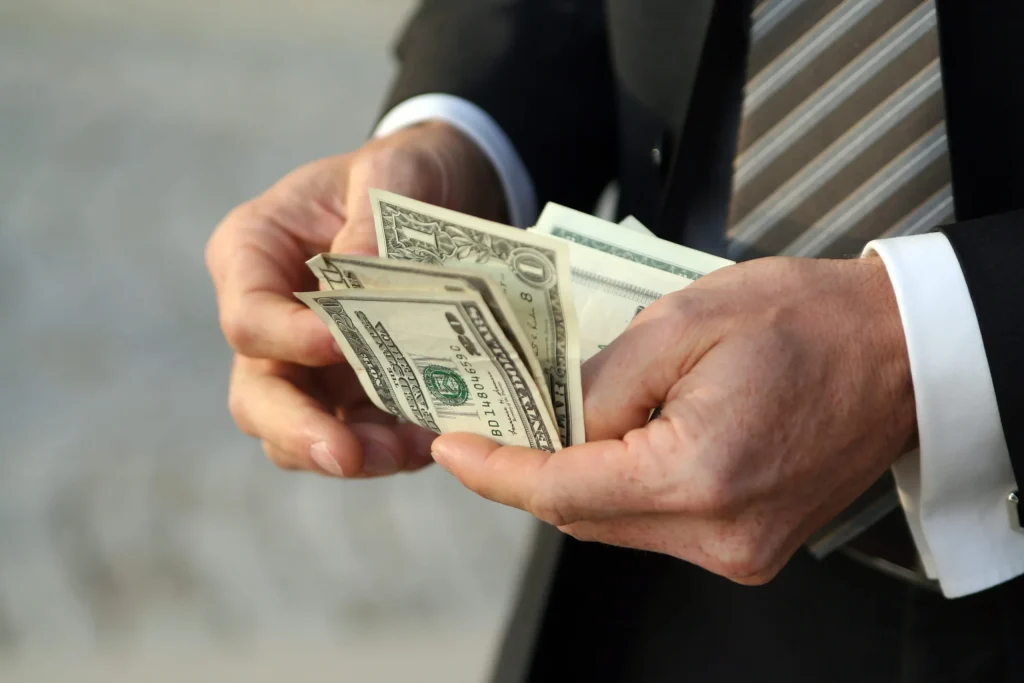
x,y
470,181
886,338
518,204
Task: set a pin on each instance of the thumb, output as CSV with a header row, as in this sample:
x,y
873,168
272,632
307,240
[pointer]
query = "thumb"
x,y
410,172
636,373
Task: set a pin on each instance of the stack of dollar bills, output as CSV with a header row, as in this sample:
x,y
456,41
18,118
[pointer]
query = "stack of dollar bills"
x,y
466,325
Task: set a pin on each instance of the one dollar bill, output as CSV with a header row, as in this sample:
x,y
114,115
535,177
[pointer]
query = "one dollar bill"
x,y
439,360
345,271
531,270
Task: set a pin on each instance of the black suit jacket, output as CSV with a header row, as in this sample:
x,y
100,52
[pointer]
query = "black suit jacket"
x,y
645,92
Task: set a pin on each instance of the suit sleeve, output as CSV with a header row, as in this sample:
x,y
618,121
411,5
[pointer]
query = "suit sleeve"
x,y
540,69
991,253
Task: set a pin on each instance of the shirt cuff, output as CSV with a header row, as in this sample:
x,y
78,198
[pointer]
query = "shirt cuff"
x,y
954,488
478,126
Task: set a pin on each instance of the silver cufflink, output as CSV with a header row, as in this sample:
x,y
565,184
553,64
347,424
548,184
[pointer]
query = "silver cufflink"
x,y
1013,511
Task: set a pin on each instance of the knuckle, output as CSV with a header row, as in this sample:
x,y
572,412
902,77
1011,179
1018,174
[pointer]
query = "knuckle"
x,y
310,351
650,467
744,562
759,579
219,249
238,331
239,216
237,407
749,557
646,474
581,532
546,509
240,413
313,349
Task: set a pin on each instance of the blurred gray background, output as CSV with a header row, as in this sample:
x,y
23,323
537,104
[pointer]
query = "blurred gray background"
x,y
141,537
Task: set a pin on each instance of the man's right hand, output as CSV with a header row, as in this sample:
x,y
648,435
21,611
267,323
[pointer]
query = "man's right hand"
x,y
290,386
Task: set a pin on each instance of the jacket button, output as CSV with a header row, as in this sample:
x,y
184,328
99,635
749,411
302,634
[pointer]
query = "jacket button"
x,y
656,156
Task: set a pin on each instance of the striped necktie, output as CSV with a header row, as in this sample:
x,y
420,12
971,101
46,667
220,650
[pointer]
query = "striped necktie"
x,y
842,138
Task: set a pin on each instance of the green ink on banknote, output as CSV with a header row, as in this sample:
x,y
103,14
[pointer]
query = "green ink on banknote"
x,y
445,385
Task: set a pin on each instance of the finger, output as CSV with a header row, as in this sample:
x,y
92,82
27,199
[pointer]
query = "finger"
x,y
260,316
268,325
286,461
266,404
596,480
409,171
418,457
418,442
505,474
392,448
307,437
636,373
397,434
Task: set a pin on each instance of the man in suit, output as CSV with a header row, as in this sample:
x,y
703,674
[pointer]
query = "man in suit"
x,y
823,129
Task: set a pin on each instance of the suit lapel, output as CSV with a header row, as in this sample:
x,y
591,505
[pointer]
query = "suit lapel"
x,y
982,55
695,198
656,48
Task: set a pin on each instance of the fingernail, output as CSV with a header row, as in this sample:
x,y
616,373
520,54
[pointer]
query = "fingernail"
x,y
337,348
322,456
377,459
439,453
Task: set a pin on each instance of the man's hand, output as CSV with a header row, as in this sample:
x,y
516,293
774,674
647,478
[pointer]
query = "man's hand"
x,y
785,391
290,386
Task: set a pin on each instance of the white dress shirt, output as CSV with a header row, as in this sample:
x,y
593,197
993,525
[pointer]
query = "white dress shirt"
x,y
953,490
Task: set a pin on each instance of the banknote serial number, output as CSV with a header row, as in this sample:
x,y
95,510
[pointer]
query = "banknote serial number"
x,y
473,379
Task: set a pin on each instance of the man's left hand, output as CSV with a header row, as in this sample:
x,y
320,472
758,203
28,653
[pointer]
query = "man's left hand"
x,y
785,392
